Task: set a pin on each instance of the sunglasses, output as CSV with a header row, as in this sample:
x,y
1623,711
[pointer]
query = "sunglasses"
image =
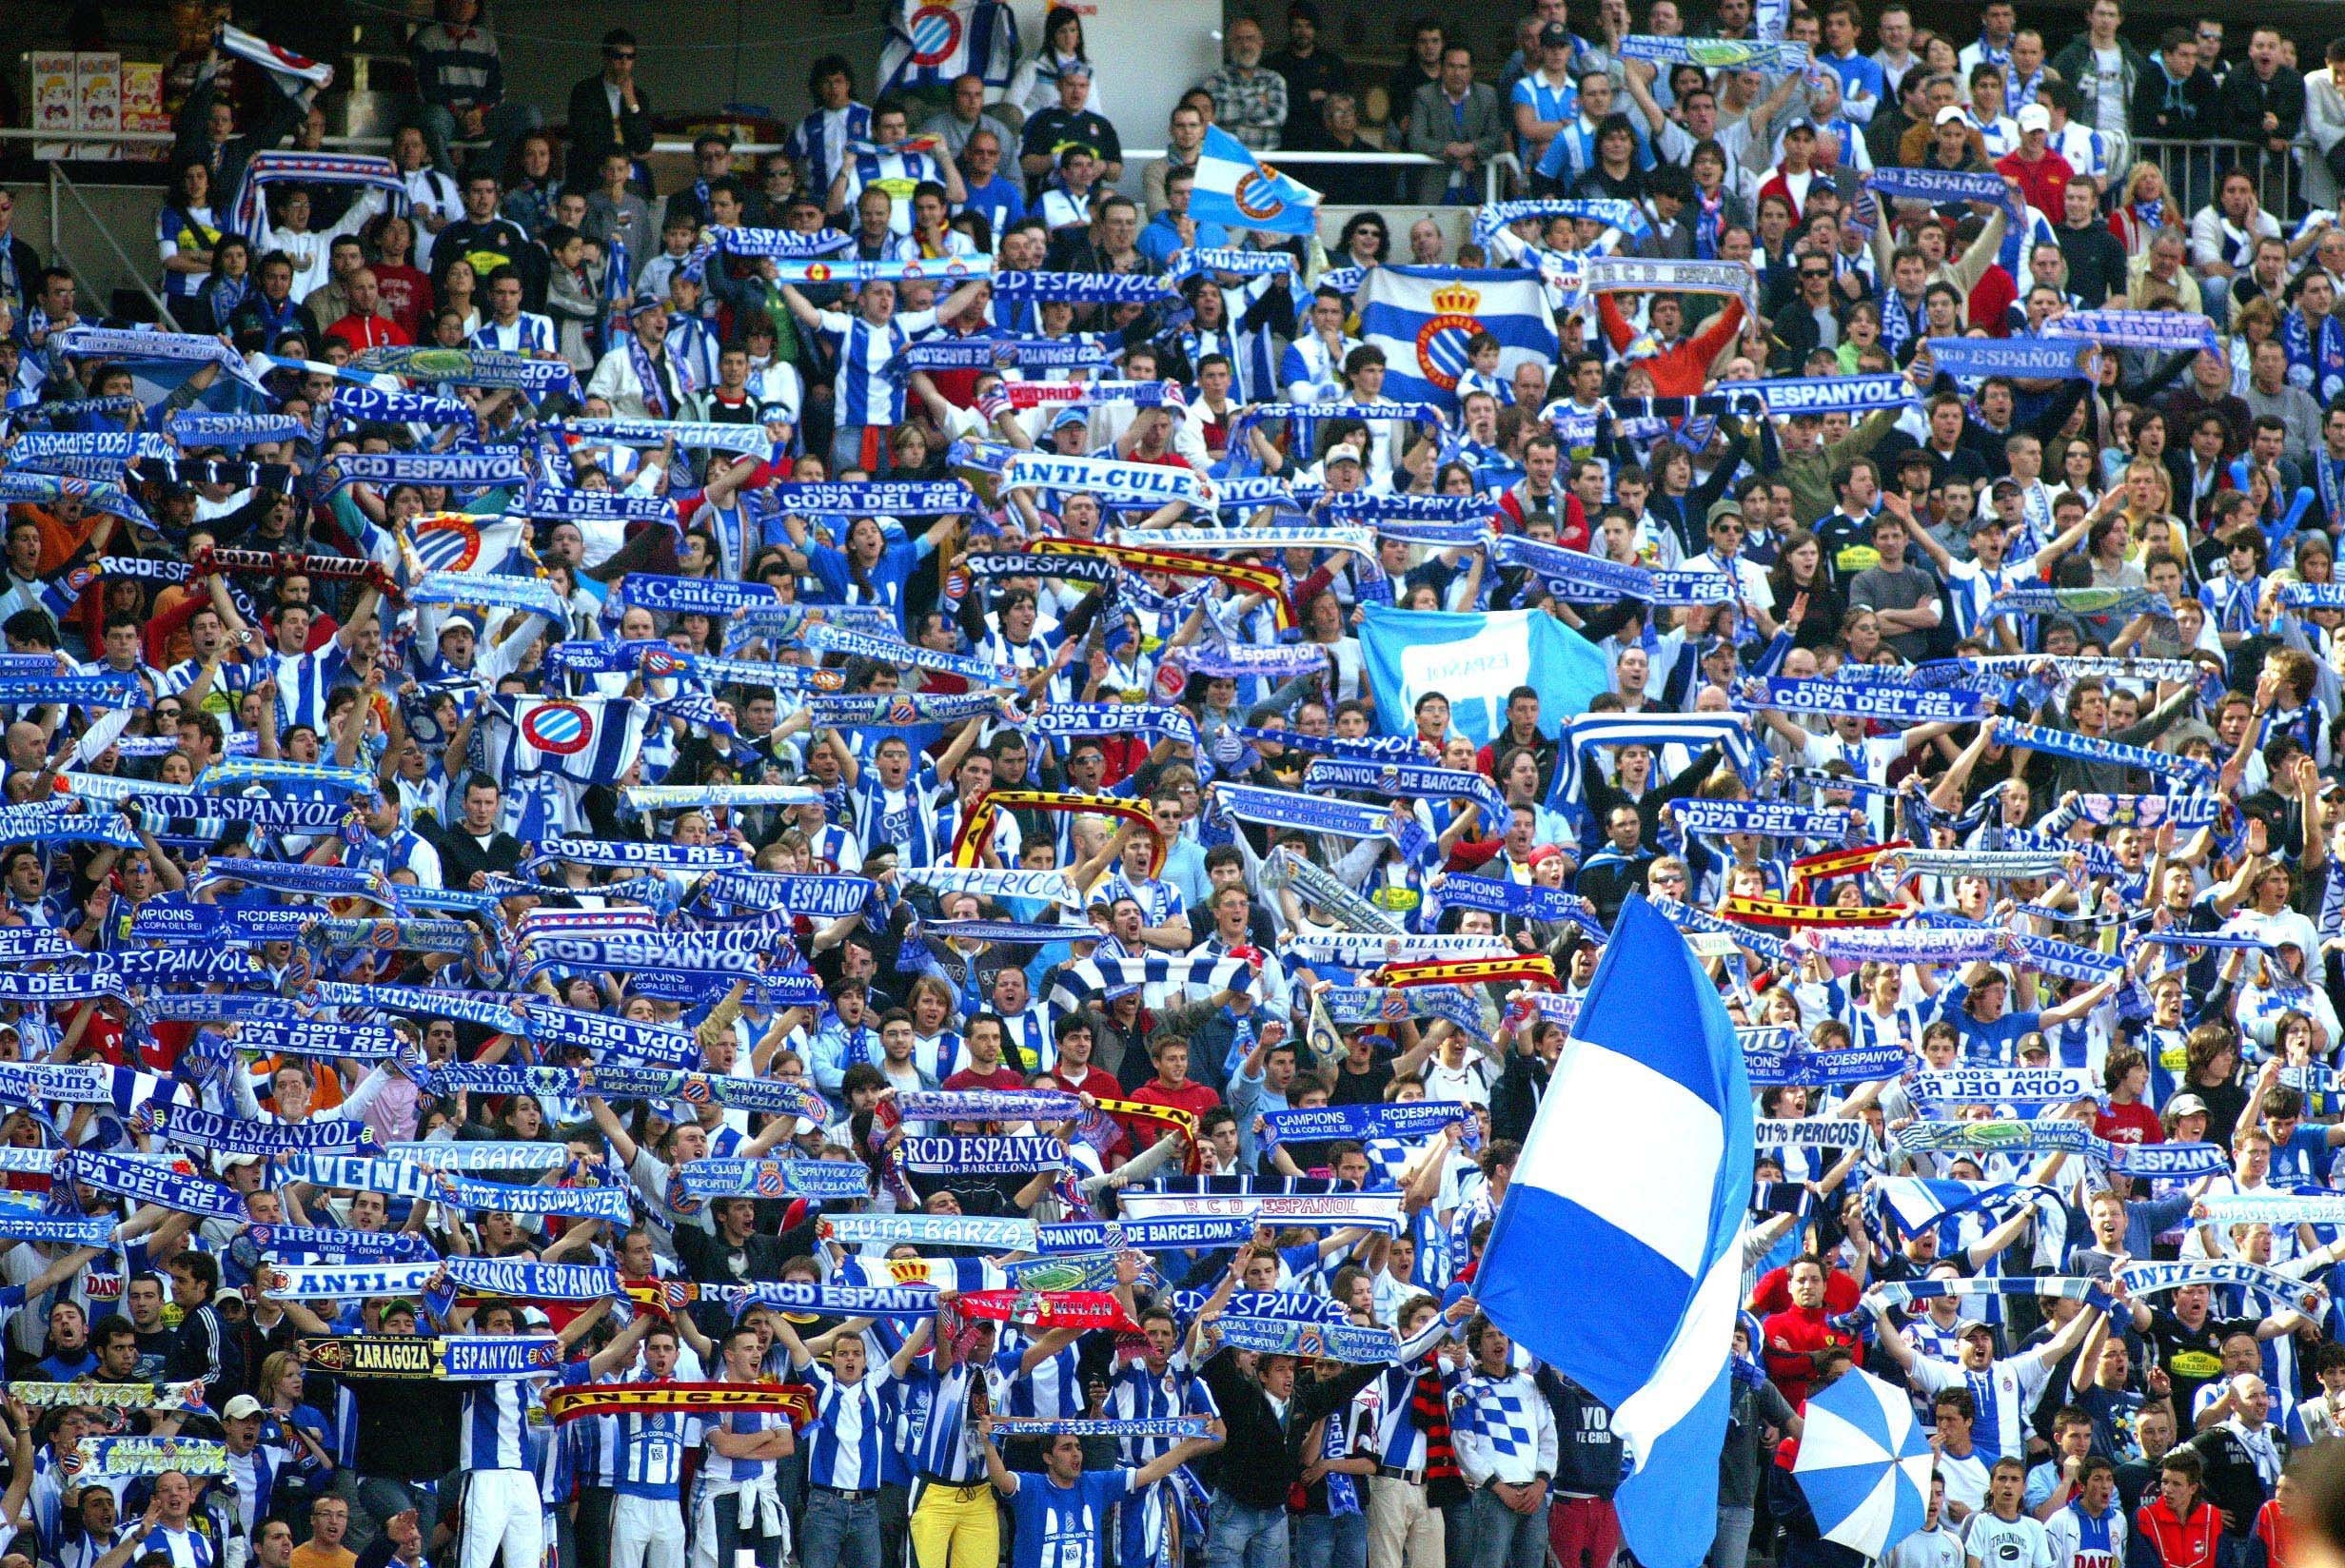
x,y
618,54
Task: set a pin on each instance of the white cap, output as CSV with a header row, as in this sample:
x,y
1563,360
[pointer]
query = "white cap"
x,y
1951,111
2033,117
1342,452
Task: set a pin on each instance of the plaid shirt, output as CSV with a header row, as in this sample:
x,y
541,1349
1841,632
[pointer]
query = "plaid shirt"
x,y
1252,109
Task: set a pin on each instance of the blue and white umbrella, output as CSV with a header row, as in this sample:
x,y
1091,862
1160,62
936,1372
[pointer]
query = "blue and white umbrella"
x,y
1864,1464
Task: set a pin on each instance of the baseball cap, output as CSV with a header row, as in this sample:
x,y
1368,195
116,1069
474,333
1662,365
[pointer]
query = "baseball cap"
x,y
1799,122
1075,67
242,1406
1555,35
2033,117
647,301
1968,1326
773,412
1070,416
1726,506
1951,111
1342,452
1980,522
2186,1105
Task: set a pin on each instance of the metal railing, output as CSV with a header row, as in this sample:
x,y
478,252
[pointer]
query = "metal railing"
x,y
1132,156
2194,172
59,187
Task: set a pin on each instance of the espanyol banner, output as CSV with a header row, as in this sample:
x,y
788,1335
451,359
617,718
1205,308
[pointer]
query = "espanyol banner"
x,y
1237,190
931,42
1417,780
1404,1118
1643,274
1828,394
1421,318
2023,359
469,470
1909,705
587,739
1937,185
823,897
1474,660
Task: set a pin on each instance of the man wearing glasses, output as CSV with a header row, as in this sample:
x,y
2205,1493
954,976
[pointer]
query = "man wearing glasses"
x,y
1810,321
608,112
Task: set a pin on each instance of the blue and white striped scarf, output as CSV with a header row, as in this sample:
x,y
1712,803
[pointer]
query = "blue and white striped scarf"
x,y
2086,747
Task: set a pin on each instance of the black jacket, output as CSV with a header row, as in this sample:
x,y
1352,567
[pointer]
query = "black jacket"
x,y
2246,98
1259,1461
461,854
2164,109
2095,261
594,134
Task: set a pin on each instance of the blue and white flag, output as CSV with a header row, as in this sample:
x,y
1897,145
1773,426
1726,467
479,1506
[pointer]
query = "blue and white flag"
x,y
1423,317
1475,660
587,740
931,42
1616,1255
1237,190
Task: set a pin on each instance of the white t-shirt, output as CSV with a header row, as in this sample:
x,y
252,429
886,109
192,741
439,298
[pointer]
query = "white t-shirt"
x,y
1938,1548
2006,1543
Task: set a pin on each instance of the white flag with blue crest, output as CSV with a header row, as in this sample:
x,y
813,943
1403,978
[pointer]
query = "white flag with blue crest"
x,y
1423,317
931,42
585,740
1616,1255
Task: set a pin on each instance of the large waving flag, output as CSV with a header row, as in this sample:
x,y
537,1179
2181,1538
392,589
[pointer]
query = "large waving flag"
x,y
1237,190
1615,1255
1423,317
1474,660
931,42
292,72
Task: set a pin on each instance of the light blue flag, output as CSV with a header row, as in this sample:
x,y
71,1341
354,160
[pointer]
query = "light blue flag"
x,y
1423,317
1237,190
1615,1255
1474,660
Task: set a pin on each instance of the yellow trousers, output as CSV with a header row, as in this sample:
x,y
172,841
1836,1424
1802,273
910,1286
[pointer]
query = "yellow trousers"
x,y
955,1527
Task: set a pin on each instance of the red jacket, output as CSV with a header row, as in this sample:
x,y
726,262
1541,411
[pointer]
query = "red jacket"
x,y
1773,1291
2042,180
1793,1336
1683,369
365,332
1570,517
2181,1543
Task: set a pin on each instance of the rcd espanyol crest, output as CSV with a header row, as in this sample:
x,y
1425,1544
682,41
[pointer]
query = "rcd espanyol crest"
x,y
448,543
1441,343
562,728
